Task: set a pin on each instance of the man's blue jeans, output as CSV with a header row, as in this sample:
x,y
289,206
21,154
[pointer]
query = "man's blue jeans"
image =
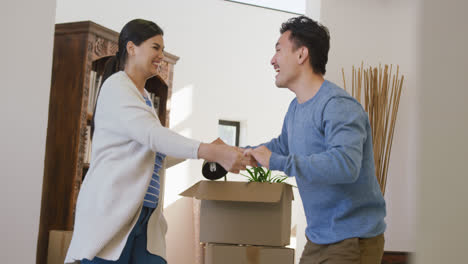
x,y
135,251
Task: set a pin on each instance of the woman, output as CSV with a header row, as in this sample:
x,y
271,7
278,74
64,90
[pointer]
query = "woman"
x,y
119,210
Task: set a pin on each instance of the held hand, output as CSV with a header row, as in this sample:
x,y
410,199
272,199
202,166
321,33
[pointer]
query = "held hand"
x,y
262,154
231,158
249,158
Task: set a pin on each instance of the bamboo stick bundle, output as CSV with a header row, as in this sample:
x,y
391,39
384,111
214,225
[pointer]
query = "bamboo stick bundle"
x,y
379,91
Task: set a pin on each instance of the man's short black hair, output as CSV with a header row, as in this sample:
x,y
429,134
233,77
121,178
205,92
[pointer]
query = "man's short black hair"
x,y
314,36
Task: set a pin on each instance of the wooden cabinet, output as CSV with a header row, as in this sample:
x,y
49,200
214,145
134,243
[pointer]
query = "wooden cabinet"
x,y
79,49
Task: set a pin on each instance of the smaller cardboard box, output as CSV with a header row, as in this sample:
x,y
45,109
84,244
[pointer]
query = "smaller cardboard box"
x,y
244,213
59,241
232,254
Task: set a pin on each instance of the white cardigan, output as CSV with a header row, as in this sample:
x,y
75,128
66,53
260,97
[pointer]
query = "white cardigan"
x,y
127,135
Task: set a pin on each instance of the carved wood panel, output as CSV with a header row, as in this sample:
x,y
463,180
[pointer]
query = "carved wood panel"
x,y
97,48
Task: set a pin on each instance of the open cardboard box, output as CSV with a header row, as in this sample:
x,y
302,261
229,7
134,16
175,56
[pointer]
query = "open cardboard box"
x,y
244,213
232,254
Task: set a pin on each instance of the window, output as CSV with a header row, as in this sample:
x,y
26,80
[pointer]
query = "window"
x,y
229,131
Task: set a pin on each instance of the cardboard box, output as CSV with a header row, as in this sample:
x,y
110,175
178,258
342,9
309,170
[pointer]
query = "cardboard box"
x,y
232,254
59,241
244,213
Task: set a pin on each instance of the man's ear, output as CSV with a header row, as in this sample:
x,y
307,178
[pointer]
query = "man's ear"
x,y
130,48
303,55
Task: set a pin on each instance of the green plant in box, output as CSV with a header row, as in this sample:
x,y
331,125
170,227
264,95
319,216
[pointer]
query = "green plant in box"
x,y
259,174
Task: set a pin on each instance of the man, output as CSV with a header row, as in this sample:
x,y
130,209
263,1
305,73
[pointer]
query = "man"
x,y
326,144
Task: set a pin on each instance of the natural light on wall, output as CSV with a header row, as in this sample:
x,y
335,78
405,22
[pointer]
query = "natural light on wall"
x,y
176,180
181,106
291,6
181,109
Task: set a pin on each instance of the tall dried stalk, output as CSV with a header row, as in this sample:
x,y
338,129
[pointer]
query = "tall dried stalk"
x,y
379,93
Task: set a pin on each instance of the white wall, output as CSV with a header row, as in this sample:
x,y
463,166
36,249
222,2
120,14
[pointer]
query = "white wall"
x,y
434,125
26,45
224,72
435,142
384,32
443,152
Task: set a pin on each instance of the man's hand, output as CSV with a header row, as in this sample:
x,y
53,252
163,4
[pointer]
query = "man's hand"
x,y
248,159
231,161
261,154
231,158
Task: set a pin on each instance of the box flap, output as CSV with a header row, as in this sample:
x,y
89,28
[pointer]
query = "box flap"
x,y
238,191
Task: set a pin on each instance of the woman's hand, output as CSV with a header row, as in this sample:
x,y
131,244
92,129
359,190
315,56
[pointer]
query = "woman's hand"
x,y
231,158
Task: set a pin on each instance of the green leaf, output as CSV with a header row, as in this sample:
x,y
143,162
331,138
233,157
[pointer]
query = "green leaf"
x,y
245,175
248,170
260,174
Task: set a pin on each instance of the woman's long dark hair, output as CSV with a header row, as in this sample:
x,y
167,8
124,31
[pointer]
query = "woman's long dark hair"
x,y
136,31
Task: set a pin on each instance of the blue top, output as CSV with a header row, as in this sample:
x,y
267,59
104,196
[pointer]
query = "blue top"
x,y
326,143
152,194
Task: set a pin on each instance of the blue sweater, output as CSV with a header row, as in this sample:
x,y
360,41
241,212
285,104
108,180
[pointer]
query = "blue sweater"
x,y
326,143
